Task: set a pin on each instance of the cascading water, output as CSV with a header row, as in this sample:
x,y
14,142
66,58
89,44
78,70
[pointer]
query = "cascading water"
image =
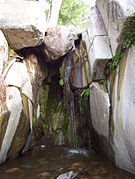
x,y
72,97
69,98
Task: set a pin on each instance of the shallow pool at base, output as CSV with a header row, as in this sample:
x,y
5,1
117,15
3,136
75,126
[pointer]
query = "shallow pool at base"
x,y
50,162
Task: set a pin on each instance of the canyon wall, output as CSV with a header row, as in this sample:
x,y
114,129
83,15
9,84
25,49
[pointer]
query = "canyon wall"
x,y
112,104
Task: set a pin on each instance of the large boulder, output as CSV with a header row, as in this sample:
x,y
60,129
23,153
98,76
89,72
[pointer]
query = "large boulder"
x,y
15,106
16,110
97,44
58,41
114,14
123,109
100,119
3,51
99,108
23,23
18,76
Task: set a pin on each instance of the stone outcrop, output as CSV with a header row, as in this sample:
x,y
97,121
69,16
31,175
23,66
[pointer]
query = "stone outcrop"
x,y
58,42
97,44
20,83
18,77
114,14
80,70
123,118
14,105
23,23
18,106
112,110
3,51
99,108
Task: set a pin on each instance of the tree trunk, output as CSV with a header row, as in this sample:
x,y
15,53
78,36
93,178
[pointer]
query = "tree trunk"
x,y
54,13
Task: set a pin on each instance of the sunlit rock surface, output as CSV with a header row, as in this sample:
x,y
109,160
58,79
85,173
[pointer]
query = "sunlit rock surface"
x,y
14,104
17,76
114,13
112,114
17,111
99,108
99,55
123,108
3,51
23,23
97,44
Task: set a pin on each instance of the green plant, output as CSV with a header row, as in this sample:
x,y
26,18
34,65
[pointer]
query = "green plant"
x,y
84,99
112,65
61,82
85,93
43,106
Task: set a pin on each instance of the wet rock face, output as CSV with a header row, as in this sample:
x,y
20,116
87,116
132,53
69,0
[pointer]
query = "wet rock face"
x,y
23,23
80,71
58,41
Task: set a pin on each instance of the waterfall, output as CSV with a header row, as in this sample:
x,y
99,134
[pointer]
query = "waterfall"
x,y
69,98
74,76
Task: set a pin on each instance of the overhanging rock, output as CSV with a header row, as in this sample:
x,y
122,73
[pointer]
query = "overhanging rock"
x,y
23,23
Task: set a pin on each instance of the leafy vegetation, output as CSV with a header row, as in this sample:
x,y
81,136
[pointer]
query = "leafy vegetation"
x,y
84,99
61,82
73,12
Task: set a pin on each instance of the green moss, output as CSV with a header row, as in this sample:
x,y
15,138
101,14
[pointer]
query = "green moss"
x,y
11,53
43,107
33,121
0,118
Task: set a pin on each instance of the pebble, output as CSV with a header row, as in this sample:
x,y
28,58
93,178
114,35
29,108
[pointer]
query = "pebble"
x,y
12,170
